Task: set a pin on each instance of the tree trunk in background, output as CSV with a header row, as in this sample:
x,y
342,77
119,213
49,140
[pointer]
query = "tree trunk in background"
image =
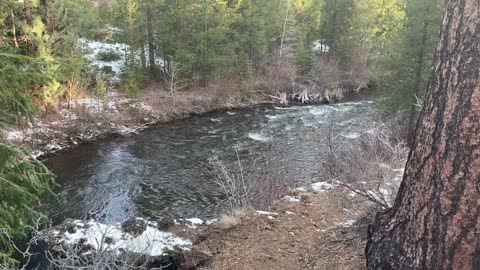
x,y
151,46
435,222
50,10
143,53
418,77
14,30
28,12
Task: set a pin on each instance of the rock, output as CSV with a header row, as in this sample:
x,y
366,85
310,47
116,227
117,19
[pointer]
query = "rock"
x,y
165,224
194,259
134,226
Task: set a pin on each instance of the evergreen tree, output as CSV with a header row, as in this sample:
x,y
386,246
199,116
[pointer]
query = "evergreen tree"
x,y
409,58
23,180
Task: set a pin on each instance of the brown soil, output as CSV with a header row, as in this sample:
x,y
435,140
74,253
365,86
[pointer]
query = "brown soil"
x,y
302,236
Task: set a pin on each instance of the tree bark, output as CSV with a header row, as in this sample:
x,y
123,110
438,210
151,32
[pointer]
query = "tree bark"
x,y
435,221
28,12
151,46
14,30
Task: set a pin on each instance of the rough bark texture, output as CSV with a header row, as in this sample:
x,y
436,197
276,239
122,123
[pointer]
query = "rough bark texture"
x,y
435,222
28,11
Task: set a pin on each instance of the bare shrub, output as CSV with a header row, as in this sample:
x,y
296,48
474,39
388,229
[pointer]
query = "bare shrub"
x,y
370,166
243,190
266,191
174,81
235,185
79,256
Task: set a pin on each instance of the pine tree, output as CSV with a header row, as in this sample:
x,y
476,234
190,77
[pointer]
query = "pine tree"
x,y
409,58
23,180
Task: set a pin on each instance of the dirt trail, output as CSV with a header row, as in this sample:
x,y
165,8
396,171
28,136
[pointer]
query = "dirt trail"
x,y
314,235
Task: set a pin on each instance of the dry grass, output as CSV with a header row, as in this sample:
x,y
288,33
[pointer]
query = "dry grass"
x,y
227,222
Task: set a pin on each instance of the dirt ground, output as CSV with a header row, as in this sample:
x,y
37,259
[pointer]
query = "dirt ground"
x,y
318,234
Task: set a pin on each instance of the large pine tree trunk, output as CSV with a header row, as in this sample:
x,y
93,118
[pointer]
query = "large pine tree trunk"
x,y
435,222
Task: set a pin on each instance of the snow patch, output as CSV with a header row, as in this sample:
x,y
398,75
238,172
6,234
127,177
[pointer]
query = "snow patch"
x,y
321,186
319,46
152,241
262,213
14,135
211,221
292,199
346,224
193,223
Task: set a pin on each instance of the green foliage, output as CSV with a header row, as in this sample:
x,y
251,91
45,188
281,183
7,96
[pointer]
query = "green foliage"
x,y
334,27
133,83
108,56
408,60
17,74
23,180
100,89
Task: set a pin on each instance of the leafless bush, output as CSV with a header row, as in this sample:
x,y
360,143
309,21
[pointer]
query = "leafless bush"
x,y
79,256
235,185
27,254
76,258
370,166
245,191
173,80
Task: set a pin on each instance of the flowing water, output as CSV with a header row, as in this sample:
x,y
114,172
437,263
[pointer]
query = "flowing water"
x,y
164,171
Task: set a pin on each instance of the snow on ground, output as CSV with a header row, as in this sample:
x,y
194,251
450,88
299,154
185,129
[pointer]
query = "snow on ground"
x,y
348,223
211,221
265,213
14,135
319,46
152,241
193,223
93,48
291,199
321,186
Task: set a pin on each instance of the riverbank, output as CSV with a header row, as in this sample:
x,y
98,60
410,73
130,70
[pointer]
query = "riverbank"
x,y
89,119
328,231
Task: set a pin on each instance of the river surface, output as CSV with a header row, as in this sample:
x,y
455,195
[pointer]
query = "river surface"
x,y
164,171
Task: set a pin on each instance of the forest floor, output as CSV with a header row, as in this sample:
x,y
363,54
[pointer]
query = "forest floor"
x,y
329,231
87,119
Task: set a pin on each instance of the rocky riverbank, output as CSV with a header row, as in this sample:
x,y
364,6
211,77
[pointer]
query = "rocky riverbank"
x,y
322,226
